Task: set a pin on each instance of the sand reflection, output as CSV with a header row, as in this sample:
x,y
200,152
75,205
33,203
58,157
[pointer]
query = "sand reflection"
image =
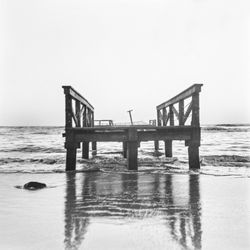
x,y
175,199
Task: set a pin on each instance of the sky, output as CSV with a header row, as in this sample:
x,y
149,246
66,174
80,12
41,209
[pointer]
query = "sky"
x,y
121,55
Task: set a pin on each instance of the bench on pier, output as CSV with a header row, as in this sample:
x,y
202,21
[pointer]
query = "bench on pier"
x,y
177,119
103,123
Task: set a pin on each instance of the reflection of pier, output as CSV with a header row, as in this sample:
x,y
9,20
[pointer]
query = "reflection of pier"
x,y
134,196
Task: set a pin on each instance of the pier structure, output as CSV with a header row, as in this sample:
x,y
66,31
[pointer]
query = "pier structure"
x,y
177,119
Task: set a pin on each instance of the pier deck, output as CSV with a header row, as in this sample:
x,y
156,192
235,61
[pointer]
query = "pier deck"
x,y
84,131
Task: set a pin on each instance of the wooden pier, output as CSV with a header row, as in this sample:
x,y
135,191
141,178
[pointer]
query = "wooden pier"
x,y
177,119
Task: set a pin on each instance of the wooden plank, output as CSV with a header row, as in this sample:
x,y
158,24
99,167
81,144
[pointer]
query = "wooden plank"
x,y
75,95
196,88
125,128
189,109
175,112
152,136
164,111
181,112
68,109
77,113
171,115
159,118
101,137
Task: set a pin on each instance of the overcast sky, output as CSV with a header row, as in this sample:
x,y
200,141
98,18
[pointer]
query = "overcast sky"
x,y
123,54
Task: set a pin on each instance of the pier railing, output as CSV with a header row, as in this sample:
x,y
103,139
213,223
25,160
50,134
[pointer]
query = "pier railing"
x,y
78,111
167,111
80,128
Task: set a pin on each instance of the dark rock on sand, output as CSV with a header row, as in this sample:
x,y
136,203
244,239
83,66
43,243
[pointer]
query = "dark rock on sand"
x,y
33,185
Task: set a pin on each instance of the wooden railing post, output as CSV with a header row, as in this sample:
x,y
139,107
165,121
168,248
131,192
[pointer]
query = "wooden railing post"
x,y
94,143
169,143
181,112
156,143
69,145
132,150
75,114
85,144
68,116
195,110
194,143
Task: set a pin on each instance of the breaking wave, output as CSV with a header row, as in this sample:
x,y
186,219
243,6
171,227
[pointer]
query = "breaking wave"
x,y
34,149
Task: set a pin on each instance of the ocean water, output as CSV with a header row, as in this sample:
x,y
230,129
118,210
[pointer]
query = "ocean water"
x,y
225,149
162,206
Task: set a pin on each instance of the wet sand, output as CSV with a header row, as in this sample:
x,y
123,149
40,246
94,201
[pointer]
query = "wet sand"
x,y
125,211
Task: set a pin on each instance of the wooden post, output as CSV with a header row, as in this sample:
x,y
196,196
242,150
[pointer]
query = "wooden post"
x,y
124,148
164,114
94,143
195,110
168,148
168,143
181,112
68,107
156,143
77,113
85,150
194,143
132,149
85,145
193,156
71,158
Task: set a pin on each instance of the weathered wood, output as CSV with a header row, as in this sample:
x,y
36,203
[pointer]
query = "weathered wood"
x,y
162,133
68,90
193,156
171,115
168,148
77,113
195,110
131,136
68,117
169,143
175,112
181,112
189,109
124,149
164,114
132,154
159,116
132,149
71,159
85,150
196,88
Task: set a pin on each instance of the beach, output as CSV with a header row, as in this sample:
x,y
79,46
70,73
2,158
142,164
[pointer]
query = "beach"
x,y
162,206
125,211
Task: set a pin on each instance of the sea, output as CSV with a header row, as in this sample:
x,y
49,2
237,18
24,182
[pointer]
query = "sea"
x,y
102,205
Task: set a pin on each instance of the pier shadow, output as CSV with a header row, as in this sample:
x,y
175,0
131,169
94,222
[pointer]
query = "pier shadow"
x,y
173,198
